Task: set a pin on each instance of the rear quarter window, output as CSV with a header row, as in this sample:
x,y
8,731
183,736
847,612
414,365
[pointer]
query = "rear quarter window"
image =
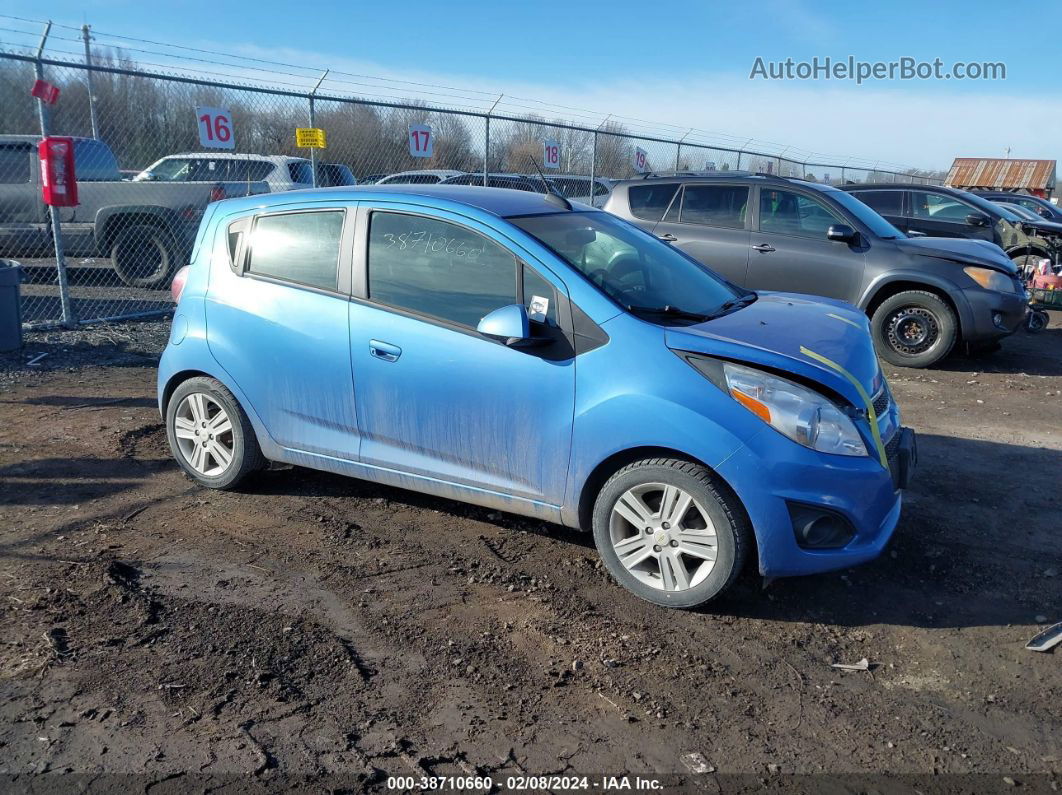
x,y
649,202
885,202
301,247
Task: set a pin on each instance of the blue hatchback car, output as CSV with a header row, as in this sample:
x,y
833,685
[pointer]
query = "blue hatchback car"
x,y
514,350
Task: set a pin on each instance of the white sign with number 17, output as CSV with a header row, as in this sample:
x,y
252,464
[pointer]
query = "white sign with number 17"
x,y
215,128
550,153
421,142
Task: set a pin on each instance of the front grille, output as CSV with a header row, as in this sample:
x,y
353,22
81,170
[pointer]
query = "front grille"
x,y
881,401
892,447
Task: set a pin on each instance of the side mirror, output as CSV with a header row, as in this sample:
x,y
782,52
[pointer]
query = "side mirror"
x,y
842,233
977,219
509,324
1044,213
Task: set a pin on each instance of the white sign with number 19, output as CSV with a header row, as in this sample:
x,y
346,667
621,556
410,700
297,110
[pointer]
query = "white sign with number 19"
x,y
215,128
421,141
550,153
641,160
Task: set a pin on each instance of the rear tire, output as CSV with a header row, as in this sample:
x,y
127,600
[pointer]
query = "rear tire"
x,y
914,328
682,538
210,434
144,256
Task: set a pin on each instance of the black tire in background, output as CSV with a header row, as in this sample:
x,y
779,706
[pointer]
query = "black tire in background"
x,y
914,328
733,534
247,454
144,255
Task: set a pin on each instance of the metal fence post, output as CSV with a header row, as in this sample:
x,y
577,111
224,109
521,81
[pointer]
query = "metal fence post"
x,y
486,149
313,119
53,212
738,166
88,81
593,164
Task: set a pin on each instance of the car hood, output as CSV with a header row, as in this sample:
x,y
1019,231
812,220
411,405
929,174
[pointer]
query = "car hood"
x,y
1044,227
961,250
792,334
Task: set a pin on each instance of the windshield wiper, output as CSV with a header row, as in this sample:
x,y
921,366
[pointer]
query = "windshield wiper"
x,y
670,311
734,303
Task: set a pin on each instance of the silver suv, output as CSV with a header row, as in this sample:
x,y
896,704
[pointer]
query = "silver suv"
x,y
764,232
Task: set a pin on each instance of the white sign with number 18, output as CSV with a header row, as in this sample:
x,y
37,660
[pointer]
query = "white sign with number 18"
x,y
215,128
550,153
421,142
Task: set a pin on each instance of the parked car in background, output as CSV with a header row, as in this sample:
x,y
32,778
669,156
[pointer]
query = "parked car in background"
x,y
146,230
577,188
937,211
371,179
504,349
280,173
424,177
775,233
331,175
1042,207
528,182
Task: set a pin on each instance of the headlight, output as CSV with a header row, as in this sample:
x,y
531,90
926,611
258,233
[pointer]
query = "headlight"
x,y
801,414
991,280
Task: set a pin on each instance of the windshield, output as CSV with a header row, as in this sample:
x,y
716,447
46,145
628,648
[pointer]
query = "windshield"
x,y
874,222
1027,214
638,271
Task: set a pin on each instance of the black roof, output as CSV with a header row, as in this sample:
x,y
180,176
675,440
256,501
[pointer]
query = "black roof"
x,y
700,176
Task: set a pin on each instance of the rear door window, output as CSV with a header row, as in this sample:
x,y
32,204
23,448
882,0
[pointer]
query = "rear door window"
x,y
938,207
649,202
715,205
301,247
94,161
884,202
249,170
437,268
300,173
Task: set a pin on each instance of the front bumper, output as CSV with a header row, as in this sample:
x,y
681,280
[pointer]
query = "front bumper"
x,y
993,315
771,472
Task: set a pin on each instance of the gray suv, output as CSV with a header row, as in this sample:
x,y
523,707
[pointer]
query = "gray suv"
x,y
763,232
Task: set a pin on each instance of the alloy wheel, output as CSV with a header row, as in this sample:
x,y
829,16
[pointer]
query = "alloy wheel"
x,y
204,434
663,537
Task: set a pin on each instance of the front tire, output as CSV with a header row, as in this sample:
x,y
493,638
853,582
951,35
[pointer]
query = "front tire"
x,y
914,328
668,533
143,256
210,434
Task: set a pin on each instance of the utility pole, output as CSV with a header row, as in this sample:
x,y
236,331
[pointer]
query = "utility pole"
x,y
88,79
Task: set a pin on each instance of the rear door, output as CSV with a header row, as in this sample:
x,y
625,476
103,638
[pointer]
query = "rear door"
x,y
277,313
710,223
790,251
888,203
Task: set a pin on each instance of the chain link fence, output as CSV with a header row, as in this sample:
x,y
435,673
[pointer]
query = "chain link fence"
x,y
134,226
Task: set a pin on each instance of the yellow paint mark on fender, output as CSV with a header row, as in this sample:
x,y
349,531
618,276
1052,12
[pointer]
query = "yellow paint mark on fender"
x,y
867,402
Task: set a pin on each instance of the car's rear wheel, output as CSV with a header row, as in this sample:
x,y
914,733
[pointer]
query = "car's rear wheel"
x,y
143,256
914,329
210,435
668,534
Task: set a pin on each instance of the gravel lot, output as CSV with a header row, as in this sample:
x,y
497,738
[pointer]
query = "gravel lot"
x,y
325,633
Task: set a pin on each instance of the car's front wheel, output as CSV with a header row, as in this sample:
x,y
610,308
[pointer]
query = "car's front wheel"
x,y
210,435
668,533
914,328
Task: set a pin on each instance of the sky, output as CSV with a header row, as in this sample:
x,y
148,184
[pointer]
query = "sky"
x,y
685,64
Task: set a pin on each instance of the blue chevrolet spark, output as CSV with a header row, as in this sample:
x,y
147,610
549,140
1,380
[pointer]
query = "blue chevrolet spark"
x,y
517,351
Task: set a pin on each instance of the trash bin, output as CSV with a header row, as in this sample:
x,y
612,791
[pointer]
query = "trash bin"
x,y
10,308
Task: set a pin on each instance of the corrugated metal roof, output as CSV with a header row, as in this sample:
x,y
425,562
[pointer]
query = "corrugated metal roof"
x,y
1001,173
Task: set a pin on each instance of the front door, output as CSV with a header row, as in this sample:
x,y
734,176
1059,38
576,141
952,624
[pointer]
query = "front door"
x,y
790,251
942,215
434,397
708,222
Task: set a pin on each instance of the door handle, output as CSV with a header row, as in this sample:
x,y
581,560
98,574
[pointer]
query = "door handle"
x,y
764,248
384,351
667,237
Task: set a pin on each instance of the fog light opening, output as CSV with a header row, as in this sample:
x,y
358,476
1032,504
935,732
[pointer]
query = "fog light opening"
x,y
997,320
816,528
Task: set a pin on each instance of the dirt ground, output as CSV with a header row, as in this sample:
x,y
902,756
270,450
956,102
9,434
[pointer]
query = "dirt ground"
x,y
322,633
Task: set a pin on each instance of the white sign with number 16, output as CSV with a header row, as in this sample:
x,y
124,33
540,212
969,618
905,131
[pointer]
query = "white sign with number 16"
x,y
421,142
215,128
